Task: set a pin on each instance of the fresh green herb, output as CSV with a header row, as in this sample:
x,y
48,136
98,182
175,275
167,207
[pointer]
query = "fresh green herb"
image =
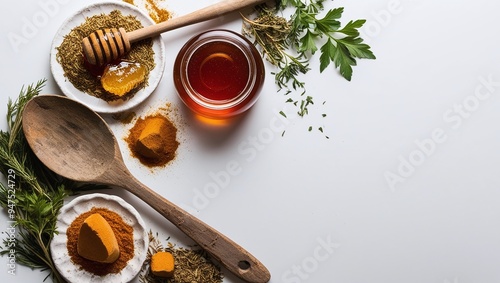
x,y
341,45
32,194
290,44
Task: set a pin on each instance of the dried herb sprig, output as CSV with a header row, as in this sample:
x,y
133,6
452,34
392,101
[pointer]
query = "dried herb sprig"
x,y
32,194
271,33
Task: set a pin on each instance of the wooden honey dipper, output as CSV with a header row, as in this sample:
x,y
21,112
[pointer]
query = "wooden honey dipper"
x,y
107,45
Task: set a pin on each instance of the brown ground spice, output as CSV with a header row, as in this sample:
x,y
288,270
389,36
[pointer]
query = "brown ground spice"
x,y
169,138
124,236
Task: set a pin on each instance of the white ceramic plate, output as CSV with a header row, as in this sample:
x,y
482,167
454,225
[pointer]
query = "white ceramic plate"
x,y
82,204
100,105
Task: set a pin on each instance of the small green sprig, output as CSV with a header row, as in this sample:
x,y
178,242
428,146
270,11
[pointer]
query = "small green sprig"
x,y
342,45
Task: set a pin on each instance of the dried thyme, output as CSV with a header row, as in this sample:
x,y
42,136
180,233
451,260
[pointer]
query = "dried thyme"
x,y
191,265
69,53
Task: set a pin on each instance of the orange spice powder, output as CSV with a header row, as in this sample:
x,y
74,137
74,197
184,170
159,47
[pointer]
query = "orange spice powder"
x,y
124,236
165,146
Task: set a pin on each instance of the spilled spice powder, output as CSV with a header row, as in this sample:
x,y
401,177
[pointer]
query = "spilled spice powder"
x,y
70,54
124,237
153,140
156,13
154,10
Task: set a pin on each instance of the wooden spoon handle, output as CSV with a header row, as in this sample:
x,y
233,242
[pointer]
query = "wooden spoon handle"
x,y
228,253
198,16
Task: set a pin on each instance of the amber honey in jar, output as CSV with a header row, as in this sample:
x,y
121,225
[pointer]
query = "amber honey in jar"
x,y
218,74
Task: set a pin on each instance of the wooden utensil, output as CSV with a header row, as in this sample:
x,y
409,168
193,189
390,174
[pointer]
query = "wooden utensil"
x,y
76,143
104,46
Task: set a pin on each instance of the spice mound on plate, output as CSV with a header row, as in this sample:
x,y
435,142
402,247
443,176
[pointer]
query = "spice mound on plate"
x,y
97,241
153,140
89,229
87,78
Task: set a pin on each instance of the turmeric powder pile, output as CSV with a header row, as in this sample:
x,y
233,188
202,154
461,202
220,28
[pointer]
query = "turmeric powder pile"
x,y
121,230
153,140
97,241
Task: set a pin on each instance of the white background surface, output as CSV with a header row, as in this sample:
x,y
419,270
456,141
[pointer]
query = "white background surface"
x,y
295,193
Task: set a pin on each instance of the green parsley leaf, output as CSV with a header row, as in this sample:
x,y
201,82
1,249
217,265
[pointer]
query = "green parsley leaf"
x,y
343,60
356,48
327,55
329,23
308,43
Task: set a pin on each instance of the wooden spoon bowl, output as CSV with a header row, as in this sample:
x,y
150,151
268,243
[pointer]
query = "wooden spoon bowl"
x,y
76,143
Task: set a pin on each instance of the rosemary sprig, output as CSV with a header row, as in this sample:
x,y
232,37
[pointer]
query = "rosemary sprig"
x,y
32,195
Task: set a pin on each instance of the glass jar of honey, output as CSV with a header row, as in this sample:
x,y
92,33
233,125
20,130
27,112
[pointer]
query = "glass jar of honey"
x,y
218,74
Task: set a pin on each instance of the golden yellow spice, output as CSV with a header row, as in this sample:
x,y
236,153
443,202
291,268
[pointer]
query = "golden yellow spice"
x,y
153,140
154,10
97,241
124,236
162,264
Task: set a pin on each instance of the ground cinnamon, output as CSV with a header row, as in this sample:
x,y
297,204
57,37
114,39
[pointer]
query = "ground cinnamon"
x,y
124,236
157,13
153,140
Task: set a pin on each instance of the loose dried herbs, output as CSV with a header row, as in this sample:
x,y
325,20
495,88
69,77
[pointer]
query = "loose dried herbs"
x,y
69,54
191,265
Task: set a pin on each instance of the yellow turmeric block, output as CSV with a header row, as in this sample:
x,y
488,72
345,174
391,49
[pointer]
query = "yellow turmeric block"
x,y
151,142
162,264
97,241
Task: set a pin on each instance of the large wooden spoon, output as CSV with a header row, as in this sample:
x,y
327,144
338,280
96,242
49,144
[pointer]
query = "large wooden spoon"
x,y
76,143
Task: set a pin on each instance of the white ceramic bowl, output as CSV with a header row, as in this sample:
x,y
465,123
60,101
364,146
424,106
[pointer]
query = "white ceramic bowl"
x,y
97,104
69,212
